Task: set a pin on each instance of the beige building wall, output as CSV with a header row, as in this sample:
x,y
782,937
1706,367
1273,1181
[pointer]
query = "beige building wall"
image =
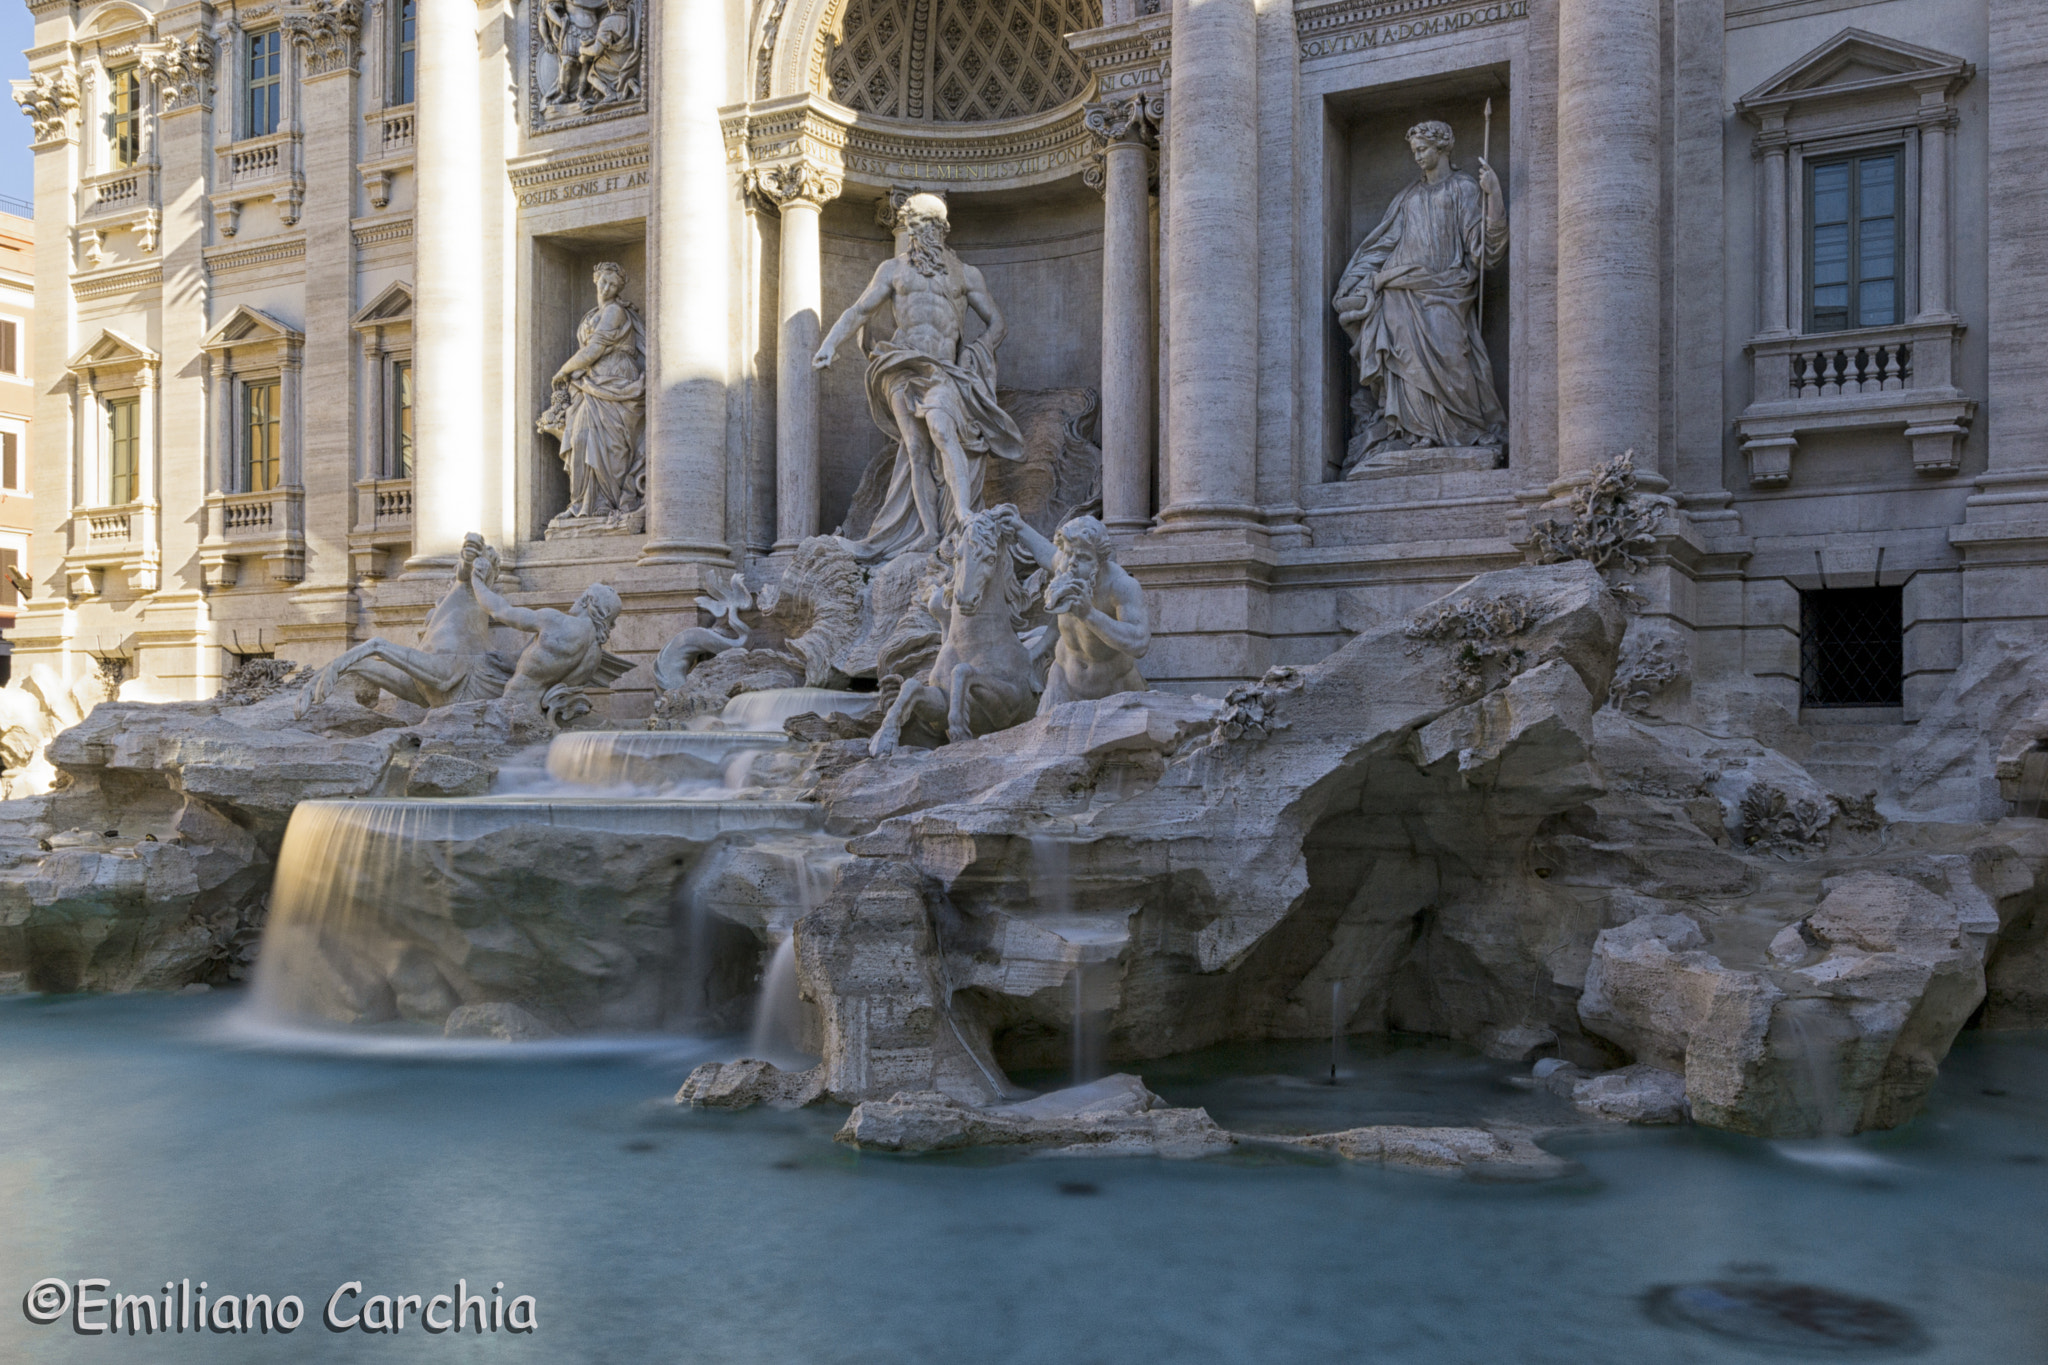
x,y
17,411
438,240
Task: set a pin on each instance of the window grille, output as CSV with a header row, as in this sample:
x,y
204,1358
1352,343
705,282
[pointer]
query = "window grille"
x,y
1853,243
1852,649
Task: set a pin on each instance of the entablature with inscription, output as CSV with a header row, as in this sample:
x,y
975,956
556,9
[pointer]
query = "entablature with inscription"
x,y
877,154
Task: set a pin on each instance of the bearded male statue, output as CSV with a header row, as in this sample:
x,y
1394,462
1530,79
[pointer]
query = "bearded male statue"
x,y
1409,300
1101,627
928,388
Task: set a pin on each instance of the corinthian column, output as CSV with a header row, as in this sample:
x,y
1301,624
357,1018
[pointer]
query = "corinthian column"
x,y
1212,251
1126,128
800,190
688,370
448,342
1609,188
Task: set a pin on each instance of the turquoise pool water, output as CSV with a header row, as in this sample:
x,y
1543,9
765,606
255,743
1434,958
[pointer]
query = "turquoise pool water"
x,y
141,1145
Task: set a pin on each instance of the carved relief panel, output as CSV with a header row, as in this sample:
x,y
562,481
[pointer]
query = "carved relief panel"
x,y
586,61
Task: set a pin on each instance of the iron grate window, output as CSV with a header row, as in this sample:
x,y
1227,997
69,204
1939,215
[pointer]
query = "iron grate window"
x,y
1852,647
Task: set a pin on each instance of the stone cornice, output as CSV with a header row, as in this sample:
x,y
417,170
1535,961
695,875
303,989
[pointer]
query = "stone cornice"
x,y
1348,26
1127,57
101,283
223,262
377,234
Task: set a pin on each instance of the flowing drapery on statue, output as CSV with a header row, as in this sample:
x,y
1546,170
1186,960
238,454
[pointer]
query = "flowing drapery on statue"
x,y
934,395
1409,300
599,409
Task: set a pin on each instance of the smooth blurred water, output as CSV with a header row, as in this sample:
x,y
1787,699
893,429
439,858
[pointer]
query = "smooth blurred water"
x,y
140,1143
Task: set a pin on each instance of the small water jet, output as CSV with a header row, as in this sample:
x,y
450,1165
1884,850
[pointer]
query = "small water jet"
x,y
1336,1028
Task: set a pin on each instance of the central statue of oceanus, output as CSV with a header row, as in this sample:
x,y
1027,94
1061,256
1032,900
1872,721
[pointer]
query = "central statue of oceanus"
x,y
928,388
1409,300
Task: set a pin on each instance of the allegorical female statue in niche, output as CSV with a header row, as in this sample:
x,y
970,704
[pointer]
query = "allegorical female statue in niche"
x,y
1409,300
599,409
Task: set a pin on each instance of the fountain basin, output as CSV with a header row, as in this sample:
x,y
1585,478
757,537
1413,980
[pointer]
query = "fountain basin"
x,y
652,759
572,909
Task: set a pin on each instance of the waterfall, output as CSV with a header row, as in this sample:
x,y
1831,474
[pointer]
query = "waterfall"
x,y
778,1016
2033,783
1090,947
778,1030
403,909
680,764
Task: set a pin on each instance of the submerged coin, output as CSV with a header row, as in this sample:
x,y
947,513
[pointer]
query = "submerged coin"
x,y
1776,1313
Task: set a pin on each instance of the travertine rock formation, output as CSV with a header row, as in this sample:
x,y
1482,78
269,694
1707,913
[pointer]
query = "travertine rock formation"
x,y
1444,818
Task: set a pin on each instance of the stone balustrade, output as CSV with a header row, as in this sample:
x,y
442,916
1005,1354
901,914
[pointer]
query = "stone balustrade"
x,y
120,537
269,524
383,525
1830,371
1899,376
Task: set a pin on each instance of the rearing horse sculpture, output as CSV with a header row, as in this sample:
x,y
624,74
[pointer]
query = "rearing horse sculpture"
x,y
453,661
981,680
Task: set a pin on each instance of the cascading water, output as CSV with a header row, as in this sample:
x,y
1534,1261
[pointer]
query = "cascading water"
x,y
778,1014
1817,1040
1092,947
778,1030
769,708
677,763
564,898
390,909
2033,783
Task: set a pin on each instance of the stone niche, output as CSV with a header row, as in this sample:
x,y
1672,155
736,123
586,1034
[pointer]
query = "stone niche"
x,y
560,294
1367,162
1041,252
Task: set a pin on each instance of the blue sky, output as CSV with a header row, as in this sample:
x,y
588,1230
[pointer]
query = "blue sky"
x,y
17,167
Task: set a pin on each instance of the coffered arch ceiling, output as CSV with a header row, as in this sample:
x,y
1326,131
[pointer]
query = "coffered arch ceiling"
x,y
951,61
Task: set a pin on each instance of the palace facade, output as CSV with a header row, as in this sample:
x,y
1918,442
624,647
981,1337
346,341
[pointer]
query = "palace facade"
x,y
308,273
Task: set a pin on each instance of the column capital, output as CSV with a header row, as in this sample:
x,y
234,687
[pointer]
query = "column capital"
x,y
1134,118
50,99
802,181
182,71
1131,123
326,32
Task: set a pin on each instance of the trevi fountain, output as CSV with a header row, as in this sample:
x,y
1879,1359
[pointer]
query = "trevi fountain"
x,y
932,971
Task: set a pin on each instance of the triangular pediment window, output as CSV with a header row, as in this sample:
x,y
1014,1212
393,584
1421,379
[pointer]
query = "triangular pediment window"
x,y
1854,61
110,349
393,305
248,326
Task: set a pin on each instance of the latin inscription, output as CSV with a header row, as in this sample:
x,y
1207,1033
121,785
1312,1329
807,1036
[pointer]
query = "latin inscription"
x,y
1436,26
582,189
